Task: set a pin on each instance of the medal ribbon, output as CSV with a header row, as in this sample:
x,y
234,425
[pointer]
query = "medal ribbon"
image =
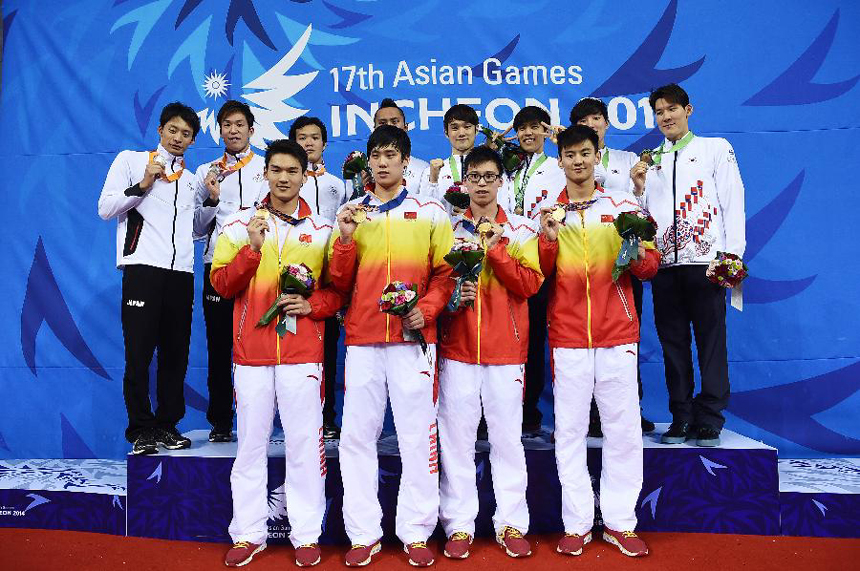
x,y
390,205
454,171
520,187
280,215
604,160
239,163
317,173
174,176
656,154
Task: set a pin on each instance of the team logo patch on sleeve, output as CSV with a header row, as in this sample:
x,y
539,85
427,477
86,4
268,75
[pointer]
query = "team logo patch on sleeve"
x,y
607,218
410,215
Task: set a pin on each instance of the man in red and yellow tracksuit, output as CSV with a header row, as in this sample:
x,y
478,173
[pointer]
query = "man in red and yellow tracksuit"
x,y
390,235
482,355
254,246
593,334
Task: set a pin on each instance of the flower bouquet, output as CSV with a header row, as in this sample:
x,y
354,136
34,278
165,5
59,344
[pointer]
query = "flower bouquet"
x,y
632,227
727,270
354,165
513,155
466,257
457,196
398,298
295,279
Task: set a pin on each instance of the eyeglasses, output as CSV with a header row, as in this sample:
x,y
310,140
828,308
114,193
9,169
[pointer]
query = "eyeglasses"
x,y
475,177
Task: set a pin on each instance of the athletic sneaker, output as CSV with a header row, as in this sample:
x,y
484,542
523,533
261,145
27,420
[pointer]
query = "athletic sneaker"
x,y
145,444
419,554
171,439
221,435
628,542
242,553
678,433
457,546
308,555
360,555
513,542
707,436
572,543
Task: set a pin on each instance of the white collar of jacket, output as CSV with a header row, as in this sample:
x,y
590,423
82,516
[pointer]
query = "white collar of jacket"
x,y
168,156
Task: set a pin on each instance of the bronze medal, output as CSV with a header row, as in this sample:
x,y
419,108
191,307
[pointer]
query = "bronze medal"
x,y
518,211
646,157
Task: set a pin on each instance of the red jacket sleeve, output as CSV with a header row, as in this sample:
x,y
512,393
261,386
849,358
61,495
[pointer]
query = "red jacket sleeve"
x,y
231,279
547,253
518,279
645,268
325,302
342,265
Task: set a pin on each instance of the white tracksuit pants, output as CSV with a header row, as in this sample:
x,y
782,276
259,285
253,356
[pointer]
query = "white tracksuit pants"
x,y
610,374
401,372
463,388
297,388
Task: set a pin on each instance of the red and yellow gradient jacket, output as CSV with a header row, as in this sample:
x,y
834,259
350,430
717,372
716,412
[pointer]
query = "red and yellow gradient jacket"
x,y
496,330
253,279
406,240
587,309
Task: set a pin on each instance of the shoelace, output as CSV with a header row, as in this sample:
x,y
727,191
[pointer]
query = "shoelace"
x,y
241,545
459,535
513,532
629,534
418,545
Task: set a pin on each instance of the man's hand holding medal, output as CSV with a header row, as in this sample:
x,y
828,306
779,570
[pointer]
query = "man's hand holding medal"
x,y
257,227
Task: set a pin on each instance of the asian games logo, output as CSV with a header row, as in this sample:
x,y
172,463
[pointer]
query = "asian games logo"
x,y
267,97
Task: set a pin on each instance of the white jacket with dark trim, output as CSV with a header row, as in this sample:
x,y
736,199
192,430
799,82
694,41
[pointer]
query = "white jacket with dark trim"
x,y
154,228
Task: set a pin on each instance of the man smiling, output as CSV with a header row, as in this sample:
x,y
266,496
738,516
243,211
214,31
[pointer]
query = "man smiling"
x,y
151,195
224,186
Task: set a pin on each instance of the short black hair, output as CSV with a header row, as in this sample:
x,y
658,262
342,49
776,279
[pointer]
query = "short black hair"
x,y
672,93
576,134
287,147
389,136
184,112
530,114
460,112
303,122
389,102
482,154
588,106
232,106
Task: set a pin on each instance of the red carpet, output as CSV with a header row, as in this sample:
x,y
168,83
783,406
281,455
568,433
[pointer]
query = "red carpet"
x,y
39,550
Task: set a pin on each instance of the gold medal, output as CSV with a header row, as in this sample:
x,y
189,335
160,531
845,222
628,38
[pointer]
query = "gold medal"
x,y
559,213
359,215
645,157
262,214
484,227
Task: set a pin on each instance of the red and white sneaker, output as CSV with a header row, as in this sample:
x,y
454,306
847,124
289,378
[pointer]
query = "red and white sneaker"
x,y
513,542
361,555
419,554
628,542
457,546
242,553
308,555
572,543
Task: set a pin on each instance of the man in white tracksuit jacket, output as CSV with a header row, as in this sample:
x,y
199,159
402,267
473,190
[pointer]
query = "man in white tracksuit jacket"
x,y
695,193
151,195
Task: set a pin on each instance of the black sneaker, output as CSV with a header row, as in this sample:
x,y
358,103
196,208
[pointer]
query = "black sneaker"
x,y
647,426
595,430
678,433
221,435
145,444
331,431
171,439
708,436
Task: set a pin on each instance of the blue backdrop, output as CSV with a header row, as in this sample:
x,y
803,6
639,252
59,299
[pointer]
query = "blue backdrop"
x,y
83,80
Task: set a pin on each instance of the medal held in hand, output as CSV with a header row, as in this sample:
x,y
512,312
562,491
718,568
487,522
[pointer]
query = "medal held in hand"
x,y
216,170
559,213
647,157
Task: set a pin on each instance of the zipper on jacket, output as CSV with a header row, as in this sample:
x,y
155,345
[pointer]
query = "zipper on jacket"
x,y
278,286
675,205
624,301
478,303
317,185
242,321
587,280
514,322
175,214
241,202
388,270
